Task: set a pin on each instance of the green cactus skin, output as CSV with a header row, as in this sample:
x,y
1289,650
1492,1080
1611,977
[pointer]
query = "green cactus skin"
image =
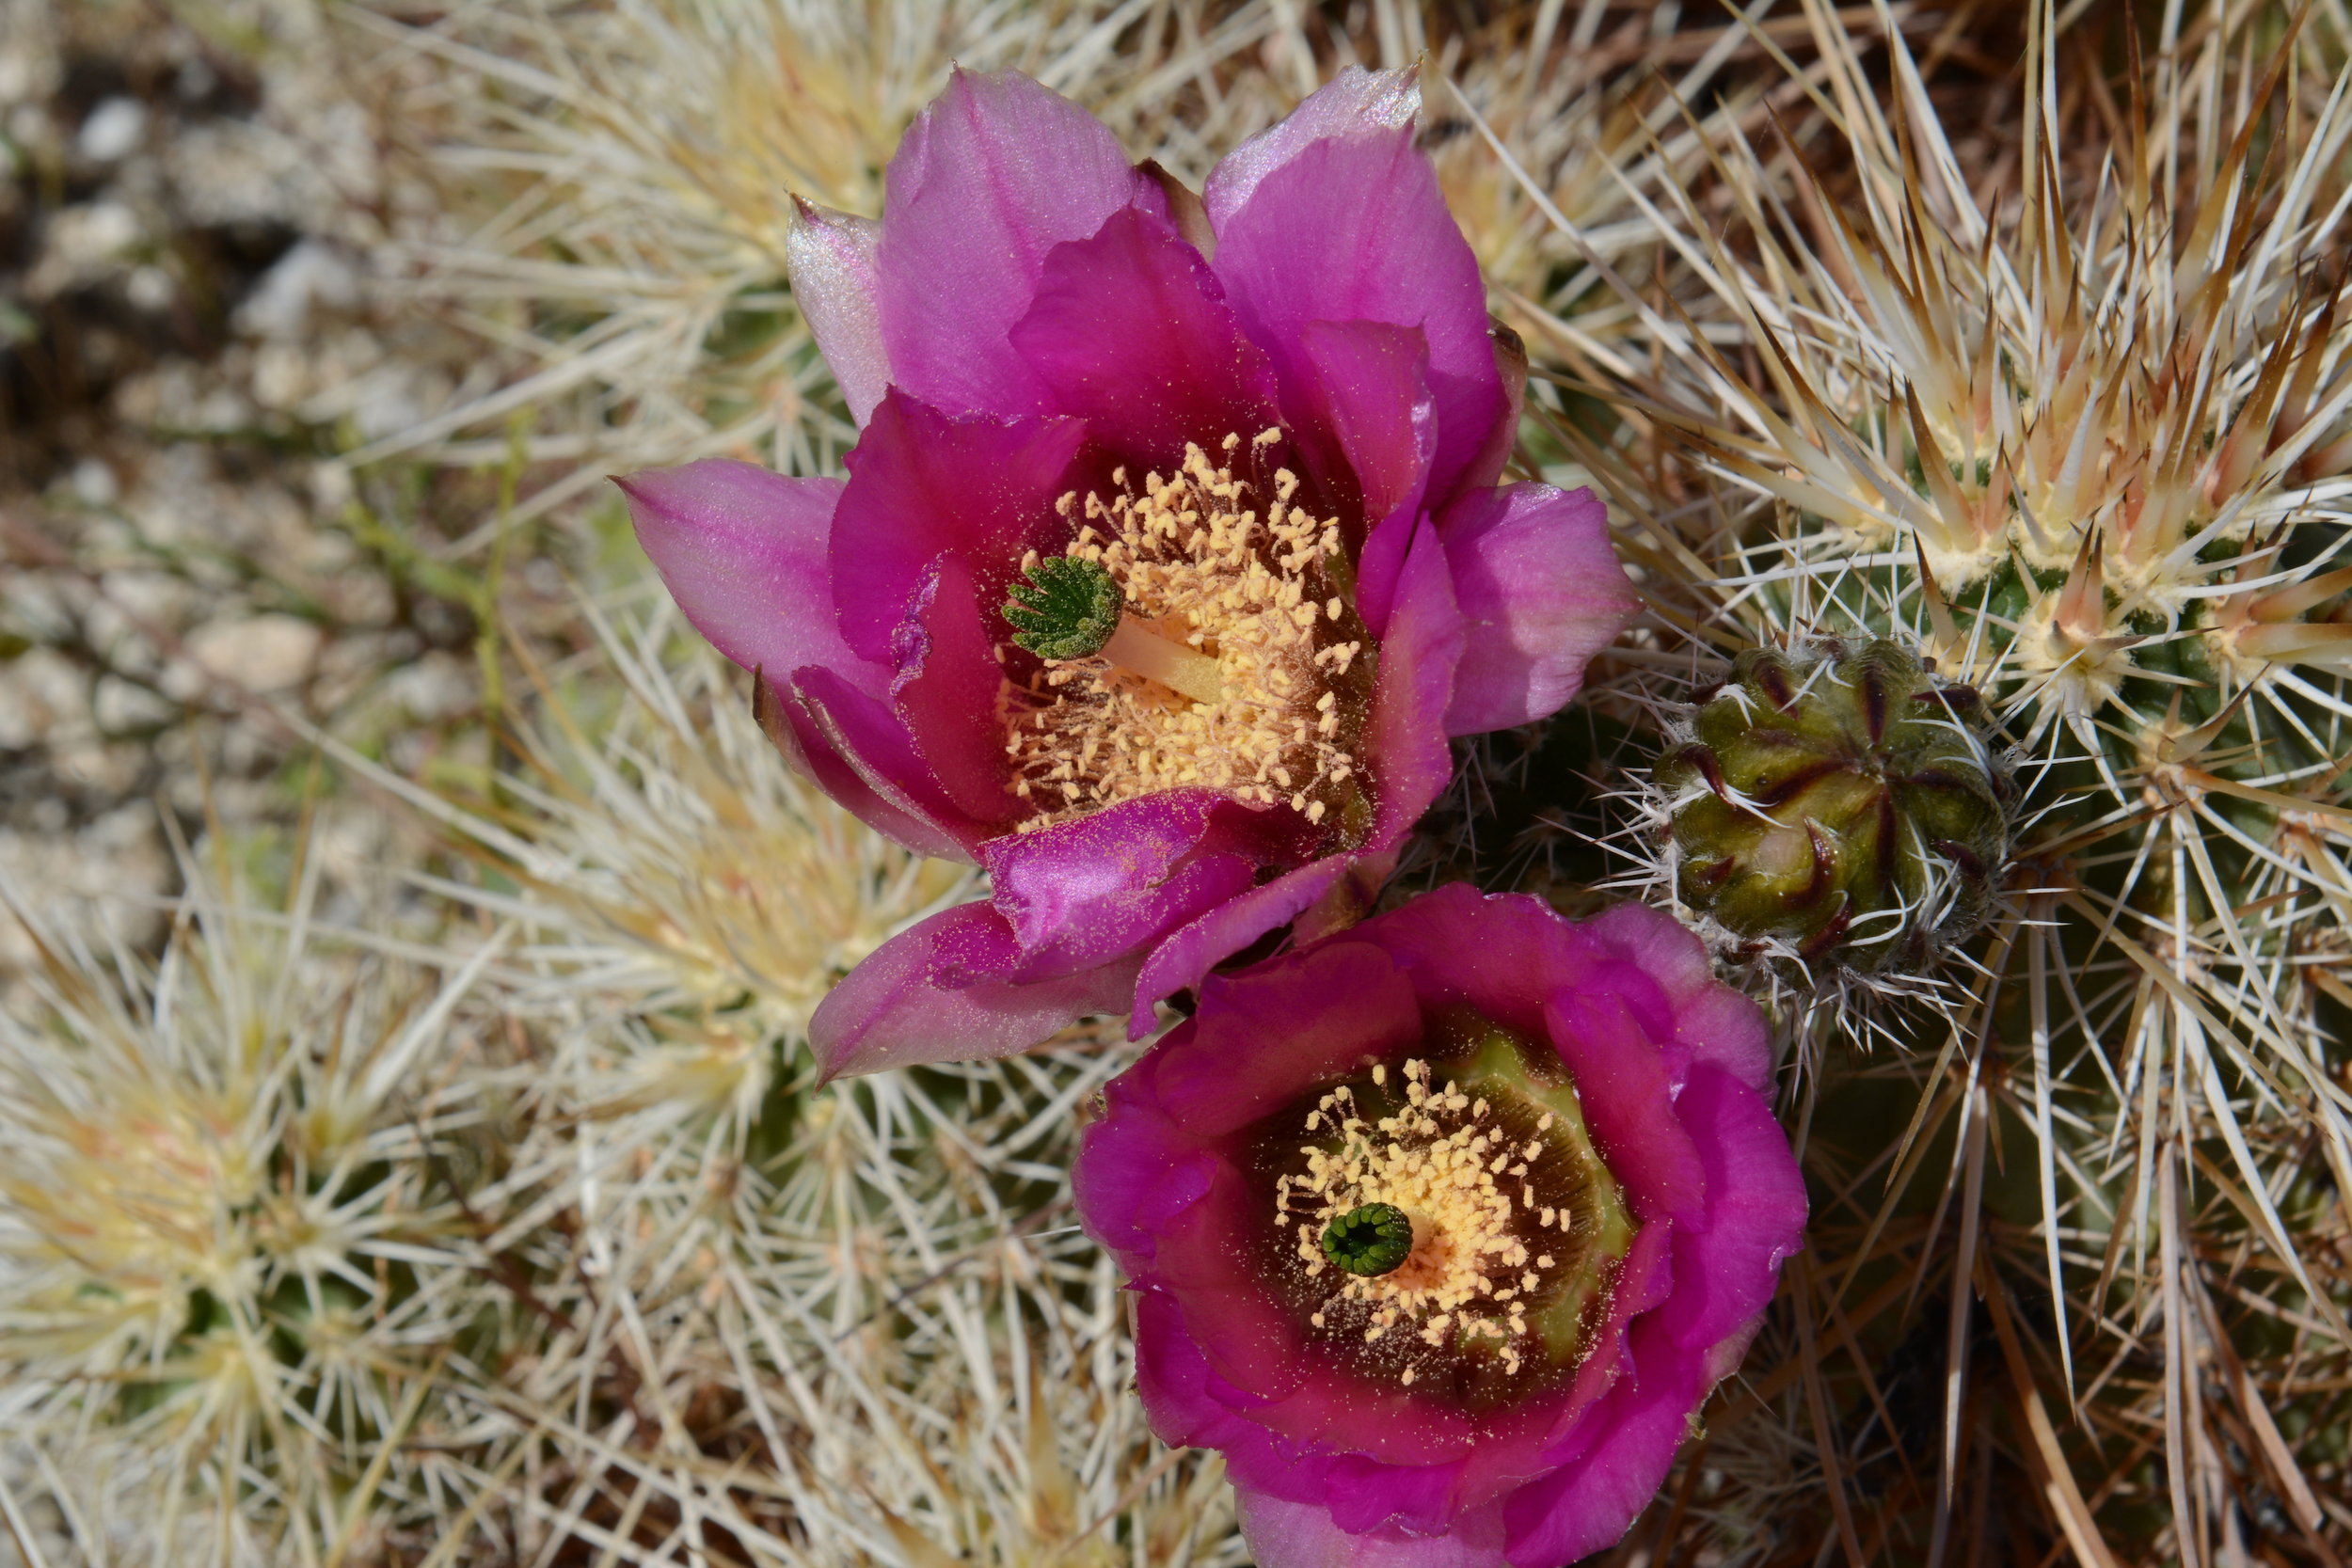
x,y
1841,801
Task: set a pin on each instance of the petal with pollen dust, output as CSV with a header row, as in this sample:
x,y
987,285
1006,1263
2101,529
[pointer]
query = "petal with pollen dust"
x,y
995,172
938,992
1081,892
1541,592
831,259
742,550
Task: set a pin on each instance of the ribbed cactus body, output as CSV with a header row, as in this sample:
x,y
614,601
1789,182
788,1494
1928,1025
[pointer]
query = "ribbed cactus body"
x,y
1840,799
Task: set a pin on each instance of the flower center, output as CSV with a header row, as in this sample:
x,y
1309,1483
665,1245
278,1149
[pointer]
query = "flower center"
x,y
1462,1221
1197,632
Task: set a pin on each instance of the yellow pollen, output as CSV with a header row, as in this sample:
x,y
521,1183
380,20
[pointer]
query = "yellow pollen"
x,y
1221,674
1464,1279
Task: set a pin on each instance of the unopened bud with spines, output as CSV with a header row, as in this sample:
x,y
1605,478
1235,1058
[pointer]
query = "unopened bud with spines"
x,y
1842,801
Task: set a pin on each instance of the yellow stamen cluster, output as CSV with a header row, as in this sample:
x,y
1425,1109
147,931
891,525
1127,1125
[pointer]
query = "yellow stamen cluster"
x,y
1202,567
1463,1180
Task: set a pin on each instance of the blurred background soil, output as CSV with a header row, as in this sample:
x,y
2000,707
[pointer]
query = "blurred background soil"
x,y
203,211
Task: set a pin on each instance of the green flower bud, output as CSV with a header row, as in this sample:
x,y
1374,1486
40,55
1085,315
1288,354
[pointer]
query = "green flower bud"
x,y
1842,802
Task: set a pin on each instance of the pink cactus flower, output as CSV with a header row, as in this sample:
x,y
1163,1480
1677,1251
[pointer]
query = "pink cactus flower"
x,y
1171,555
1444,1227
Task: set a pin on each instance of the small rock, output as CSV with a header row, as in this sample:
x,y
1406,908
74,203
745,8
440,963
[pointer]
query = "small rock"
x,y
113,131
118,706
94,482
307,276
79,244
267,653
438,685
150,289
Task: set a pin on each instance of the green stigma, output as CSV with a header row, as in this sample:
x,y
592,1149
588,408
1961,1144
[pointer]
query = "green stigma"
x,y
1068,609
1372,1240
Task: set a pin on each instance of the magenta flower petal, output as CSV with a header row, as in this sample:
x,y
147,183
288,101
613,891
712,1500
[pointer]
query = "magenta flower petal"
x,y
1630,1105
1369,381
1184,959
939,991
1542,591
992,175
1129,330
1354,228
945,692
924,483
1393,1413
1418,659
837,282
1355,100
1713,1023
1345,999
872,740
804,733
1081,892
1508,976
1725,1271
1369,384
742,550
1284,1534
1756,1210
1161,1174
1644,1283
1173,1373
1586,1505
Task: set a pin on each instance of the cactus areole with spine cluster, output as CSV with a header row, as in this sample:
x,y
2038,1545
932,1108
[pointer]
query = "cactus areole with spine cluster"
x,y
1840,799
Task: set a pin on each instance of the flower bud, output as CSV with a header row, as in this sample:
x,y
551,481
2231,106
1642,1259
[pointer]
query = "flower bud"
x,y
1842,802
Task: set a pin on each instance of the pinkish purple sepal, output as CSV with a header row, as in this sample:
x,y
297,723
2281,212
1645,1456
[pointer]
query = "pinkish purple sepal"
x,y
1541,593
837,282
